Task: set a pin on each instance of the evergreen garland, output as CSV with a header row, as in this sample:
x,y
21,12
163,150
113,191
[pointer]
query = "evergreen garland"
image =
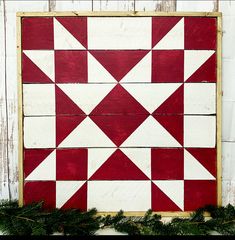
x,y
33,220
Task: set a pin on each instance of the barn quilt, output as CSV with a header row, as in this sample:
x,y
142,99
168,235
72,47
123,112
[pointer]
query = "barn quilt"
x,y
119,112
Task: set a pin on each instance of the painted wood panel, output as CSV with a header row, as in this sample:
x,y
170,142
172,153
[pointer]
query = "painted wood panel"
x,y
12,6
123,114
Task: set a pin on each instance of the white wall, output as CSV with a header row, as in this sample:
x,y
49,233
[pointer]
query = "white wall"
x,y
8,80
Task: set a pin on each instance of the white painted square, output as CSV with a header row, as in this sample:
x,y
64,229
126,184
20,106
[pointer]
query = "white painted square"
x,y
39,99
199,131
199,98
119,32
39,132
111,196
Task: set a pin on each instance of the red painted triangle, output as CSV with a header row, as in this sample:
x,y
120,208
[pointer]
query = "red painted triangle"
x,y
205,73
31,73
77,26
161,26
119,102
118,167
33,157
119,62
173,104
65,125
118,128
161,202
78,200
206,156
173,124
65,105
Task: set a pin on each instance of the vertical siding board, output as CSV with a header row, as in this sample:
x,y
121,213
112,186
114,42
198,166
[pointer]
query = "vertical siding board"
x,y
228,134
196,6
4,186
156,5
71,5
8,88
113,5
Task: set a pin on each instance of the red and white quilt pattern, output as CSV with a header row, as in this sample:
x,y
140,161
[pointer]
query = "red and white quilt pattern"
x,y
120,112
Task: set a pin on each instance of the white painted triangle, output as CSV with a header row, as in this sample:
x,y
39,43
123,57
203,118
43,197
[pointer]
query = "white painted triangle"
x,y
86,96
96,157
194,170
141,157
87,134
65,190
150,134
46,170
174,39
193,59
141,72
97,73
63,39
44,59
174,189
151,96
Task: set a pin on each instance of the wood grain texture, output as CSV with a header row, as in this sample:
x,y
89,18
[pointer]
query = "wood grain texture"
x,y
106,5
4,171
155,5
219,111
8,95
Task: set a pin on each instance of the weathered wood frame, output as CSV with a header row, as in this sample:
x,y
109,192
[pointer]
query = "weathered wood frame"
x,y
217,15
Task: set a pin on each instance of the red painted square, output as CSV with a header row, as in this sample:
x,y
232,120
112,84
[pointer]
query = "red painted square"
x,y
198,193
70,66
167,164
40,191
37,33
167,66
71,164
200,33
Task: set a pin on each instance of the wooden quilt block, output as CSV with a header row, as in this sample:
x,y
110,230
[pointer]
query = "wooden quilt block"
x,y
120,112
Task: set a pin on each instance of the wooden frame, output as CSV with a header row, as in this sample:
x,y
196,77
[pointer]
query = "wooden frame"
x,y
218,15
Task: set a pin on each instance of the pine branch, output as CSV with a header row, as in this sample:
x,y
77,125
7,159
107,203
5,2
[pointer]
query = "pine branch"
x,y
33,220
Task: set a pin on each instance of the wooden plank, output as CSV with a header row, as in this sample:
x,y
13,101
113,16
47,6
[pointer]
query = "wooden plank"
x,y
20,111
219,111
156,5
117,5
197,6
228,129
4,177
71,5
51,5
139,214
9,175
227,7
228,157
118,14
228,192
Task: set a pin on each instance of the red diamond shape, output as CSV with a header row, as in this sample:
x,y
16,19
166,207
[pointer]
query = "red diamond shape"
x,y
118,115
